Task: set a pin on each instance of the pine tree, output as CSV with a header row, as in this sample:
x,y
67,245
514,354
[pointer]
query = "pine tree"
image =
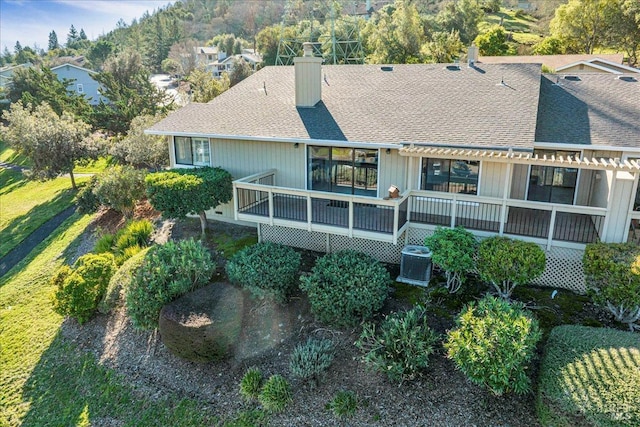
x,y
72,37
53,41
83,35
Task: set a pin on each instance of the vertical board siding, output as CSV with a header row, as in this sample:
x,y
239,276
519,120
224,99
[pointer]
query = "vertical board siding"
x,y
519,181
619,210
492,179
392,171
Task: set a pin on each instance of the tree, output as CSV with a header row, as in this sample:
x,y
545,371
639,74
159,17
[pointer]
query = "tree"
x,y
53,41
72,37
241,70
36,87
267,44
180,192
83,35
443,48
184,54
52,142
625,28
204,87
493,42
506,263
492,6
463,16
549,46
99,52
583,25
119,188
395,34
142,150
125,83
452,251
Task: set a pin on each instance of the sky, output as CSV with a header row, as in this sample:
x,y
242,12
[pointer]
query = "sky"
x,y
31,21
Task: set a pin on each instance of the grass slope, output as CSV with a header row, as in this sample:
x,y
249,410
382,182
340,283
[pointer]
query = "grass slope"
x,y
46,381
26,205
590,376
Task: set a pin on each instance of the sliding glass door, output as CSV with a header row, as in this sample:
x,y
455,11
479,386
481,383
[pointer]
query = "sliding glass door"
x,y
552,184
343,170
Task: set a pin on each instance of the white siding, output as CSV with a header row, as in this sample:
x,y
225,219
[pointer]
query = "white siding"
x,y
492,179
392,171
519,179
601,188
619,205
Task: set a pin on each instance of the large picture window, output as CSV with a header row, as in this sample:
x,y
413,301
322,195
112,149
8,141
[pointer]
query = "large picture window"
x,y
551,184
450,176
192,151
343,170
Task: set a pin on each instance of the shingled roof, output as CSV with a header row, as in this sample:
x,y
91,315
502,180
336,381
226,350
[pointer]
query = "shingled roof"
x,y
590,109
490,105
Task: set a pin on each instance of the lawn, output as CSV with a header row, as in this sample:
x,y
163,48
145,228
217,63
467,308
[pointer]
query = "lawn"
x,y
26,205
45,380
8,155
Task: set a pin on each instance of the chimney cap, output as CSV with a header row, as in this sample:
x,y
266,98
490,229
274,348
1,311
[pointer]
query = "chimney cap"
x,y
307,47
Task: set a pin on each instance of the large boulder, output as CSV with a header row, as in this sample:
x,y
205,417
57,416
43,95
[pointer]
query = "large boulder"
x,y
205,324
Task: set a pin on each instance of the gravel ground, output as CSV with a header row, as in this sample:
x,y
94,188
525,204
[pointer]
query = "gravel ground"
x,y
442,397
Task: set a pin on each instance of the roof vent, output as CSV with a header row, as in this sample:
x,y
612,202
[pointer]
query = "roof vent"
x,y
627,79
453,67
573,78
386,68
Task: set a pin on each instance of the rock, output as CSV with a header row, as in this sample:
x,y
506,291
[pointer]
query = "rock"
x,y
203,325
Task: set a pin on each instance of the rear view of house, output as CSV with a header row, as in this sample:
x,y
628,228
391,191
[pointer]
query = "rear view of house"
x,y
82,82
496,148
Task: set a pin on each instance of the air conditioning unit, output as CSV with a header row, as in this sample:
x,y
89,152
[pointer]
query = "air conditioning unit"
x,y
415,266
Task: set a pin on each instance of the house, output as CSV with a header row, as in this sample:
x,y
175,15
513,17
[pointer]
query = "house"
x,y
497,148
82,81
206,55
227,64
6,76
583,63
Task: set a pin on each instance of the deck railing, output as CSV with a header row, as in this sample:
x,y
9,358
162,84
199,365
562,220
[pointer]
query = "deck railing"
x,y
257,199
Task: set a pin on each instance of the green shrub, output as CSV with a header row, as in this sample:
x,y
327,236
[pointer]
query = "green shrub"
x,y
79,290
105,243
119,188
251,383
346,287
506,263
492,343
120,281
168,271
247,418
265,269
401,347
452,250
343,404
86,200
590,374
275,394
135,233
311,359
612,276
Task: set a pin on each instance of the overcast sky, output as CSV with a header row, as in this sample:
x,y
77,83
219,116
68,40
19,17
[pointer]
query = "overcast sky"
x,y
31,21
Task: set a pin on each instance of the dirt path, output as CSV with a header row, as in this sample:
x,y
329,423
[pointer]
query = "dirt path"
x,y
25,247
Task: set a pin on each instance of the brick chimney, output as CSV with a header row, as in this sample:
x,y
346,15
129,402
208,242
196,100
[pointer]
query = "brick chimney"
x,y
308,70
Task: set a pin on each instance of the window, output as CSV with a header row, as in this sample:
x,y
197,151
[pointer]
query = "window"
x,y
80,88
343,170
450,176
551,184
192,151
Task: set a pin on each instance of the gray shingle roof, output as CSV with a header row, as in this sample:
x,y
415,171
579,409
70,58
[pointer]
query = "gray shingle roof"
x,y
598,109
361,103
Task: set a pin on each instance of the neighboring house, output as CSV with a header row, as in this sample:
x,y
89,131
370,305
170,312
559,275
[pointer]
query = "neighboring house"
x,y
227,64
497,148
206,55
83,82
6,76
576,63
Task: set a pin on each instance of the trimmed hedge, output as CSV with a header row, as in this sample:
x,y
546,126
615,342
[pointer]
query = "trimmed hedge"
x,y
79,290
265,269
591,374
168,271
492,344
346,287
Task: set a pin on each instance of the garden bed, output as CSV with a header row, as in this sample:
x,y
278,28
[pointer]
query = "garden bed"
x,y
443,396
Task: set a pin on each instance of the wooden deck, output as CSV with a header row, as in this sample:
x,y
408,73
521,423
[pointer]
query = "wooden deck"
x,y
569,227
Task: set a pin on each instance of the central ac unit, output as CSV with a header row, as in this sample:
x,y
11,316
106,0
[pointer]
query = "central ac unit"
x,y
415,265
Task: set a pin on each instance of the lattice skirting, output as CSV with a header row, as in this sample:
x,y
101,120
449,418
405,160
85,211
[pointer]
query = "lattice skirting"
x,y
563,269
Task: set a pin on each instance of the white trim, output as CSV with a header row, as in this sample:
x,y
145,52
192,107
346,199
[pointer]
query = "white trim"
x,y
323,142
567,147
588,64
74,66
614,64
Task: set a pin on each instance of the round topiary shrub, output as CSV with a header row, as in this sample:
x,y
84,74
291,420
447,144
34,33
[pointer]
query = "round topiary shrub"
x,y
346,287
79,290
265,269
168,271
492,343
401,346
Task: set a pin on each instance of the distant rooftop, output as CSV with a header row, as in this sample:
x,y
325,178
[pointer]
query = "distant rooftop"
x,y
551,61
